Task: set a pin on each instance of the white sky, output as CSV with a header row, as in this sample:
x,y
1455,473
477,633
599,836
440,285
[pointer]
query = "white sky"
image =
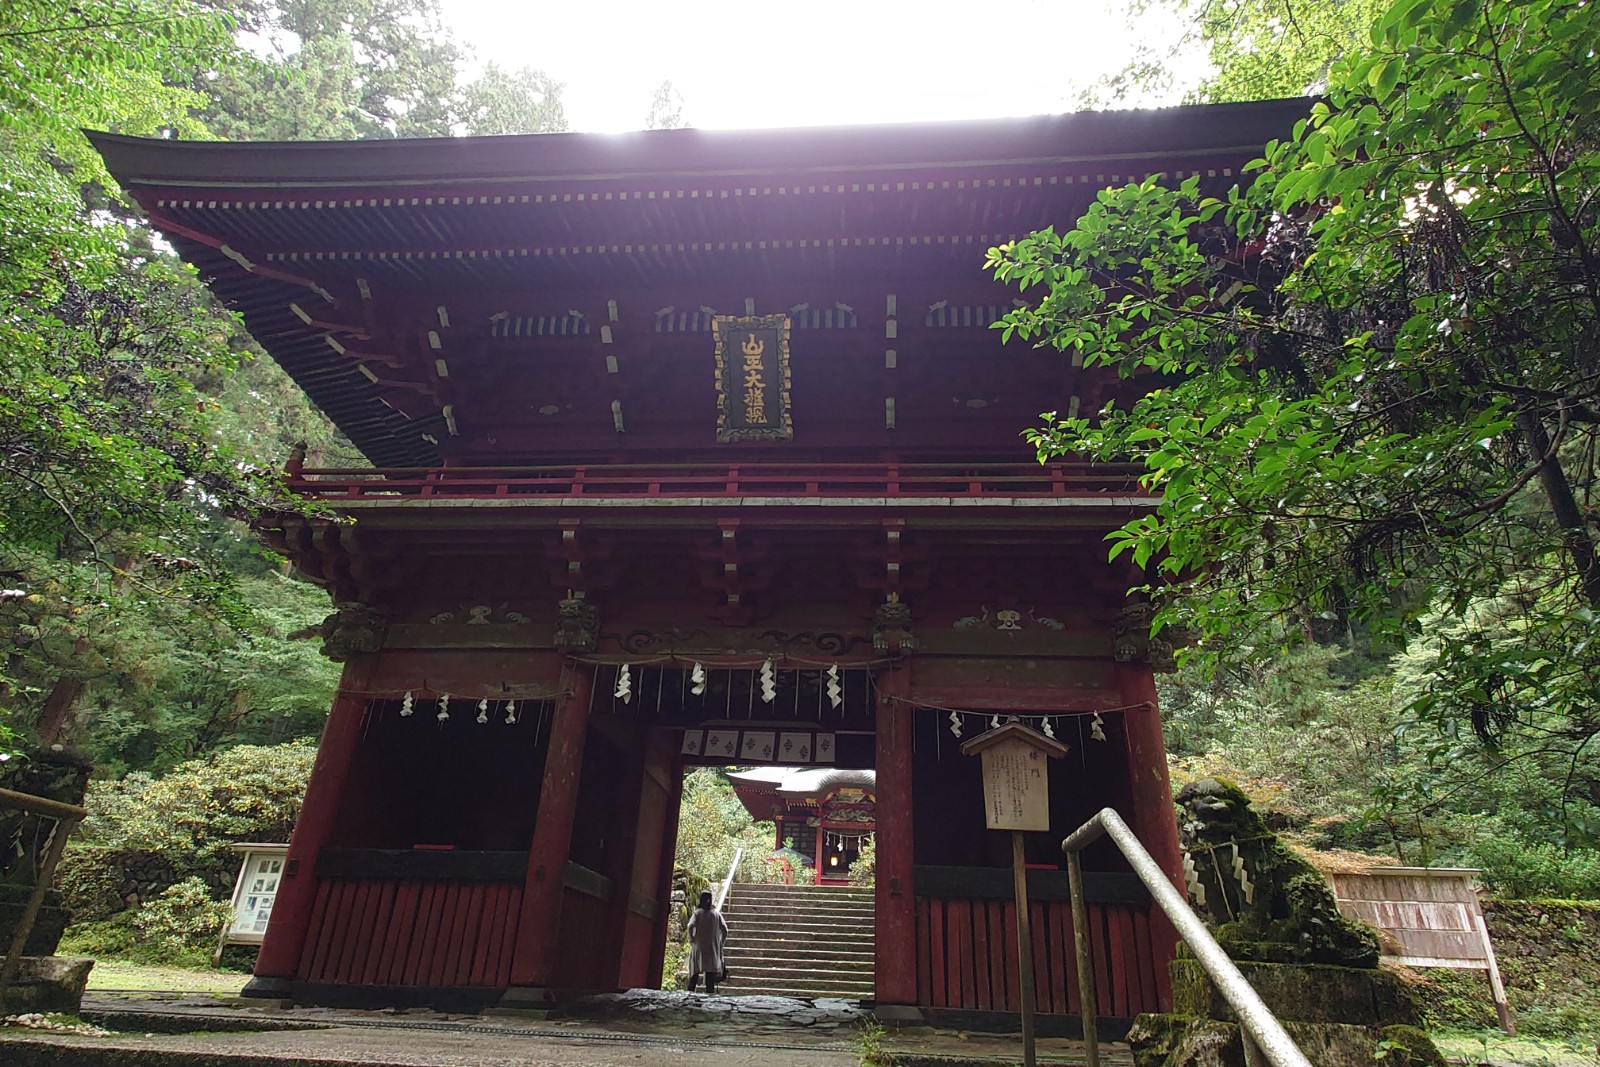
x,y
746,64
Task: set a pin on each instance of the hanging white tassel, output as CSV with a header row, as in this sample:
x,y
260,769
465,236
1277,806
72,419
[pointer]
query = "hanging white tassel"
x,y
835,690
697,679
406,703
1191,878
444,707
1097,728
1049,731
483,711
769,682
511,713
1242,876
624,685
955,723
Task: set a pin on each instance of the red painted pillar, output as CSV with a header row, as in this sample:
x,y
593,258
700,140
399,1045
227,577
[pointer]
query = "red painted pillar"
x,y
1154,819
628,820
894,896
669,862
533,961
279,958
816,877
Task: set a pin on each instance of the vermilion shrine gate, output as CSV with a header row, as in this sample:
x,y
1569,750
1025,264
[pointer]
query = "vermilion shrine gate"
x,y
689,437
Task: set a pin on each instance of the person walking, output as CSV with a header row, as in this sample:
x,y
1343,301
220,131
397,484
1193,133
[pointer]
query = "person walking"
x,y
708,930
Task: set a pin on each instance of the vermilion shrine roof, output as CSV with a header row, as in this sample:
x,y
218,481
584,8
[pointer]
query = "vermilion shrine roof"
x,y
806,782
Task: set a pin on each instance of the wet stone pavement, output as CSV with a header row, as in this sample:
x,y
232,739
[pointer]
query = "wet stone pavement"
x,y
627,1029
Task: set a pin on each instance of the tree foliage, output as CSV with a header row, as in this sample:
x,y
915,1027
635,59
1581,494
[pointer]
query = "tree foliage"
x,y
713,825
1255,49
520,101
666,108
340,69
1375,371
115,486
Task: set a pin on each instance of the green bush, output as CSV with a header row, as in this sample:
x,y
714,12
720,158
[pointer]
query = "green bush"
x,y
146,834
863,870
1524,871
184,919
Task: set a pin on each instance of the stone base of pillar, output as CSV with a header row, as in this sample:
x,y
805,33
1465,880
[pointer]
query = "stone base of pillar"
x,y
526,1001
265,988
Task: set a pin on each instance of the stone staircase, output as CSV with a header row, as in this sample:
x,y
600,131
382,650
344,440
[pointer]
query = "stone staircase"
x,y
799,941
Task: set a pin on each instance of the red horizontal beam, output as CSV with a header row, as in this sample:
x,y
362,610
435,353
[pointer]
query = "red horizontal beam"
x,y
716,480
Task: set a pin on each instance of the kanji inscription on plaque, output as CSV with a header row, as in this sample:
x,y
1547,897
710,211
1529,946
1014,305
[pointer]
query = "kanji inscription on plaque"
x,y
1016,788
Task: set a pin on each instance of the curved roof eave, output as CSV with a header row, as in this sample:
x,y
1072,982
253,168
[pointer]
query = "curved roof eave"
x,y
1081,136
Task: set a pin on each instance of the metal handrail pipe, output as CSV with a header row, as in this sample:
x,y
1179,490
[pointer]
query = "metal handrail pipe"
x,y
1255,1018
727,883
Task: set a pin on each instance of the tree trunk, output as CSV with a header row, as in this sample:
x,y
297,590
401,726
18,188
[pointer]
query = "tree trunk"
x,y
51,725
1563,506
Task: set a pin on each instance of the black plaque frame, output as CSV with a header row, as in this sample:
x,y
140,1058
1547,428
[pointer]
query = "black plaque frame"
x,y
732,333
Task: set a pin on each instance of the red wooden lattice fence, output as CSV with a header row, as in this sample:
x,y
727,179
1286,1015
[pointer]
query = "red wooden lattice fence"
x,y
411,933
967,957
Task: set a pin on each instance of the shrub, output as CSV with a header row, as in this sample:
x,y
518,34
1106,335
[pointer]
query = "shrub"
x,y
146,834
183,920
1522,871
863,869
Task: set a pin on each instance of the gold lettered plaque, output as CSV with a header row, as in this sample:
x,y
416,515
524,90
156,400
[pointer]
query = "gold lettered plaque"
x,y
752,378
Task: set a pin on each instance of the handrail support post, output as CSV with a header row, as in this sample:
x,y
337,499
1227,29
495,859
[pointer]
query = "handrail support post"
x,y
1080,944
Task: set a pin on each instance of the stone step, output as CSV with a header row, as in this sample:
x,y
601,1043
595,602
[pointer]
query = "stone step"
x,y
861,914
840,923
818,914
828,975
796,987
801,941
800,954
804,935
799,915
790,892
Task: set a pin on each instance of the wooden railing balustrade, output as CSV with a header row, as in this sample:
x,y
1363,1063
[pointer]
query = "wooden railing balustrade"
x,y
702,480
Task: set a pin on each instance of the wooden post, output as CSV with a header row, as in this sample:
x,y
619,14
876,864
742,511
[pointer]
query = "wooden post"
x,y
1019,874
1080,945
279,958
533,962
1497,989
1016,797
894,896
821,847
67,817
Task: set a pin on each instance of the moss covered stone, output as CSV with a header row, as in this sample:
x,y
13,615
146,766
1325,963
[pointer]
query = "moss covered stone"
x,y
1264,902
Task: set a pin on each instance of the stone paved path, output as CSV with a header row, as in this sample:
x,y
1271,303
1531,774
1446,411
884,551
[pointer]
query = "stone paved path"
x,y
619,1030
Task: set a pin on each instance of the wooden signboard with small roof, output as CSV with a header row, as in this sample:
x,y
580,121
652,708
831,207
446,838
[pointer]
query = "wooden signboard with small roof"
x,y
1016,797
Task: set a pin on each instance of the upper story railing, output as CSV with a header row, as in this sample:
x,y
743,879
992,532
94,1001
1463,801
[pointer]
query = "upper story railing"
x,y
698,481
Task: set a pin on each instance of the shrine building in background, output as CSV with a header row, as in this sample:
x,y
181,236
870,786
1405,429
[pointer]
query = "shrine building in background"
x,y
692,448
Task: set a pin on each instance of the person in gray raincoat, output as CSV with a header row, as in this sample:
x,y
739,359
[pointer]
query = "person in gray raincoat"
x,y
707,932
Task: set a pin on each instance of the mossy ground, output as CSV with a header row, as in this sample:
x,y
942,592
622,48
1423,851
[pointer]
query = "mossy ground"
x,y
1491,1047
117,974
